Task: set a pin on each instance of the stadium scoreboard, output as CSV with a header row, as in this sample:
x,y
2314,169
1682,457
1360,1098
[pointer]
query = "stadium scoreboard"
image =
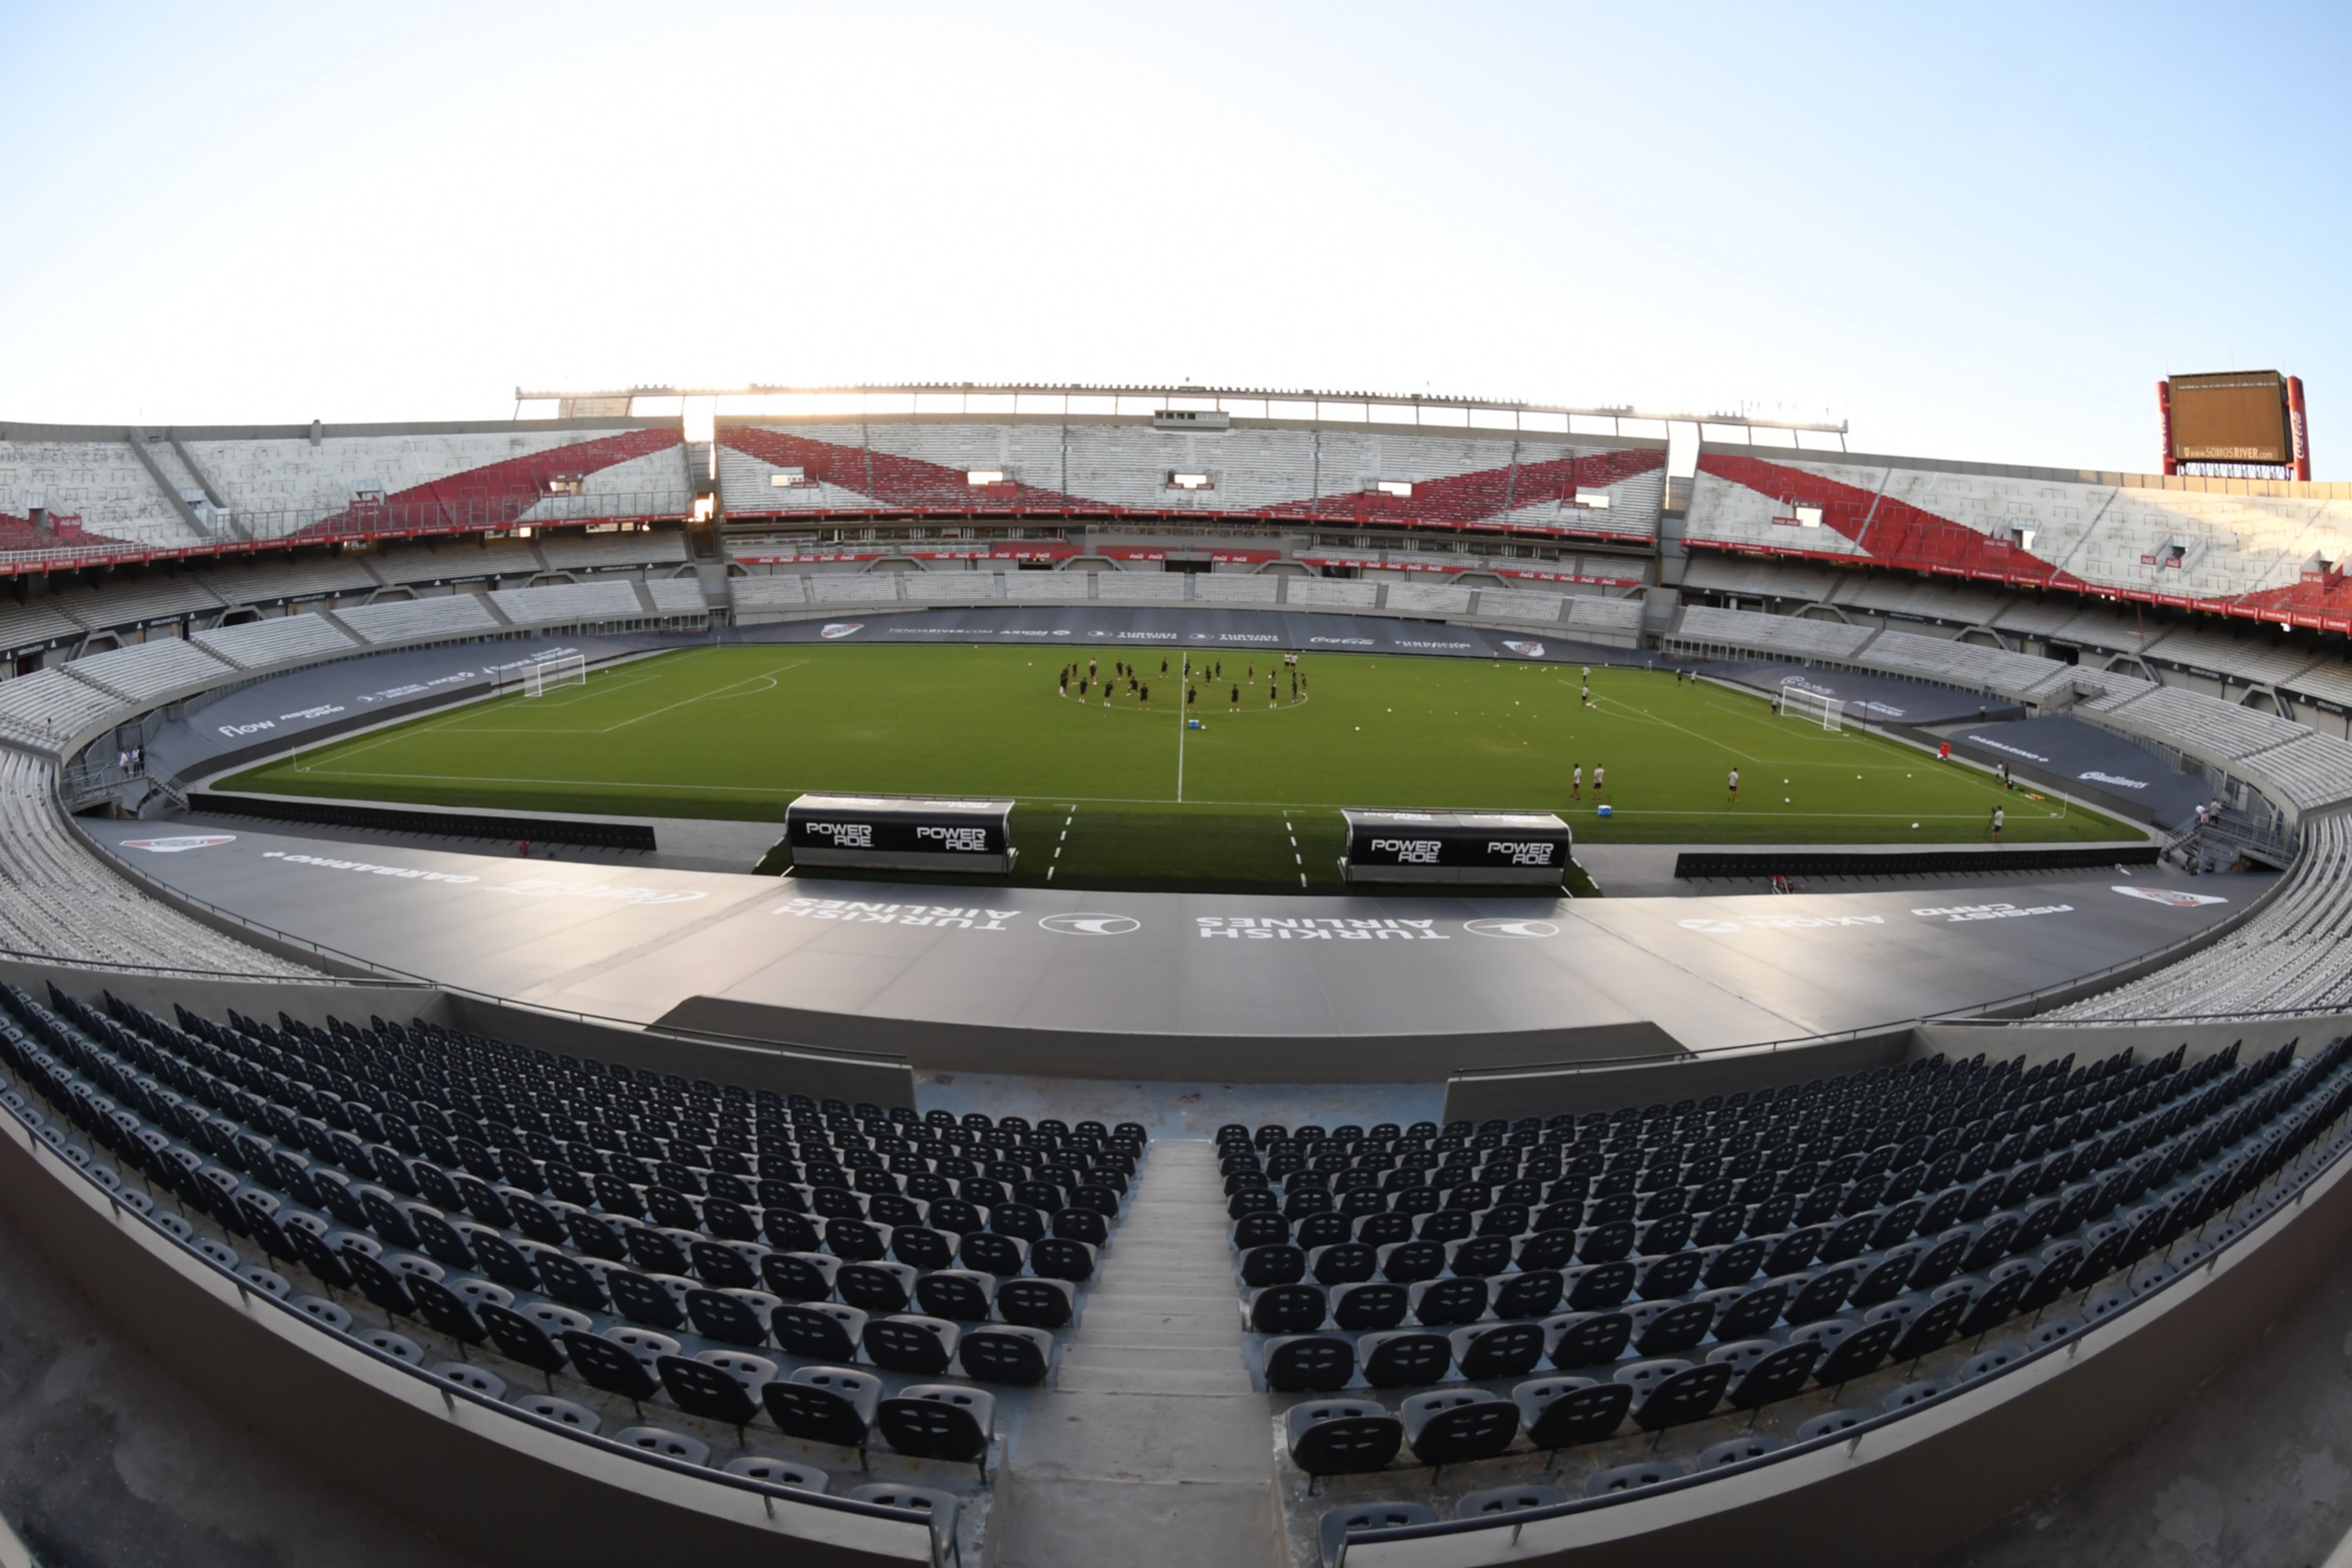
x,y
901,833
2251,419
1463,848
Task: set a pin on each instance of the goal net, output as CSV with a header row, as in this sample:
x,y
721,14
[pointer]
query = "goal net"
x,y
1813,707
543,675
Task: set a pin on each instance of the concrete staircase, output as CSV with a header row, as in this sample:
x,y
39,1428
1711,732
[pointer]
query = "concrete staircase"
x,y
1153,1449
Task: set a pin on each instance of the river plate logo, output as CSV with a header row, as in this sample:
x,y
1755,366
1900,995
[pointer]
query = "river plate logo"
x,y
2172,896
841,629
1525,649
185,841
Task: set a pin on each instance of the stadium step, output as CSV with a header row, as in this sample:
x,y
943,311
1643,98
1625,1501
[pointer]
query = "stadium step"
x,y
1154,1367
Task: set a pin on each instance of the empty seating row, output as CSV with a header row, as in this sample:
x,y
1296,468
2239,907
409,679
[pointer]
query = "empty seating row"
x,y
1744,1228
284,639
57,900
219,1120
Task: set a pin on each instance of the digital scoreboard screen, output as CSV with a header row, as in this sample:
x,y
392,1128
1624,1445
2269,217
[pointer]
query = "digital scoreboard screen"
x,y
2237,416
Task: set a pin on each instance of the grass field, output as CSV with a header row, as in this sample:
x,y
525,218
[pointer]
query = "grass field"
x,y
1124,796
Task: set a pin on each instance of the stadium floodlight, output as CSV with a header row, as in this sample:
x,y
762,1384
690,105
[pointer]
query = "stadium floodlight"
x,y
544,675
1815,707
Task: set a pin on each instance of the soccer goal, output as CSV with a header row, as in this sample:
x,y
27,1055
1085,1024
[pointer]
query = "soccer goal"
x,y
543,675
1813,707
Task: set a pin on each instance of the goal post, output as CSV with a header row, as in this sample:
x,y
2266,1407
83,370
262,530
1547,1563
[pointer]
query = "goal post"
x,y
542,676
1812,706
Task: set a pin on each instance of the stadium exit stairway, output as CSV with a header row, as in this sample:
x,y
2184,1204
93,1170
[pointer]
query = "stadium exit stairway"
x,y
1152,1448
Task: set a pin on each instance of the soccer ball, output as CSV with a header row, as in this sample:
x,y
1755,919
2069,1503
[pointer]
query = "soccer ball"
x,y
1360,729
1915,827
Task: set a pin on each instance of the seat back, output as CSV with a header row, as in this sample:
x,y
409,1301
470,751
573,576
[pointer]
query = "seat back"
x,y
603,1364
718,1316
1309,1363
1014,1355
1776,1375
929,1429
701,1389
1581,1416
1348,1445
813,1415
1690,1394
1397,1360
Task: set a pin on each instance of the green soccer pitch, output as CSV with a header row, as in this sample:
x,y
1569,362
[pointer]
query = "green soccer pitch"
x,y
1126,796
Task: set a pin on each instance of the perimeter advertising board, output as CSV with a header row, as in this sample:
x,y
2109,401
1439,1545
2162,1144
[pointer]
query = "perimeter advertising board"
x,y
1465,848
901,833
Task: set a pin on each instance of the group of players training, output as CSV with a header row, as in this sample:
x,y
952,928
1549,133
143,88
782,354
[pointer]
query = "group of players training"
x,y
1092,680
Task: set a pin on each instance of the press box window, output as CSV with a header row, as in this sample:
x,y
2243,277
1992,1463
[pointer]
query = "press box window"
x,y
1592,501
1401,488
978,476
788,479
1191,482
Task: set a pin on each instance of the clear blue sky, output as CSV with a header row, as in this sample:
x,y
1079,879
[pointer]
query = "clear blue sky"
x,y
1977,231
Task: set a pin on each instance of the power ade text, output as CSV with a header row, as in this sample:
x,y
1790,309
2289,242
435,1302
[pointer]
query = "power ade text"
x,y
1522,854
844,835
1409,851
964,840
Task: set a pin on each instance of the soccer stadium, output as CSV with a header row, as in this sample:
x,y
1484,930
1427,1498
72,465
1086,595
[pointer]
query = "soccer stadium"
x,y
1281,786
430,1018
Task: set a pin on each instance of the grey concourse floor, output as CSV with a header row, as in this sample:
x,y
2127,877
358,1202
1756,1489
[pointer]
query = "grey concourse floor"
x,y
109,1461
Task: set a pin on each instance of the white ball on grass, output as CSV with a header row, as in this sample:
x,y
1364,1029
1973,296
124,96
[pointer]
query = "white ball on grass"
x,y
1915,827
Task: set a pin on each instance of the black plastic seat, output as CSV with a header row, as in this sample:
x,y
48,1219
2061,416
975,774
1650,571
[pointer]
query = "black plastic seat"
x,y
1859,1352
1600,1286
1534,1294
824,1404
1035,1303
1059,1257
940,1421
1005,1353
1504,1349
817,1331
720,1315
1690,1394
1288,1309
1343,1437
1458,1425
1780,1375
959,1295
701,1389
1309,1363
603,1365
1441,1303
517,1338
1345,1263
1677,1328
1401,1358
1588,1339
1359,1309
1558,1413
644,1300
876,1287
922,1346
